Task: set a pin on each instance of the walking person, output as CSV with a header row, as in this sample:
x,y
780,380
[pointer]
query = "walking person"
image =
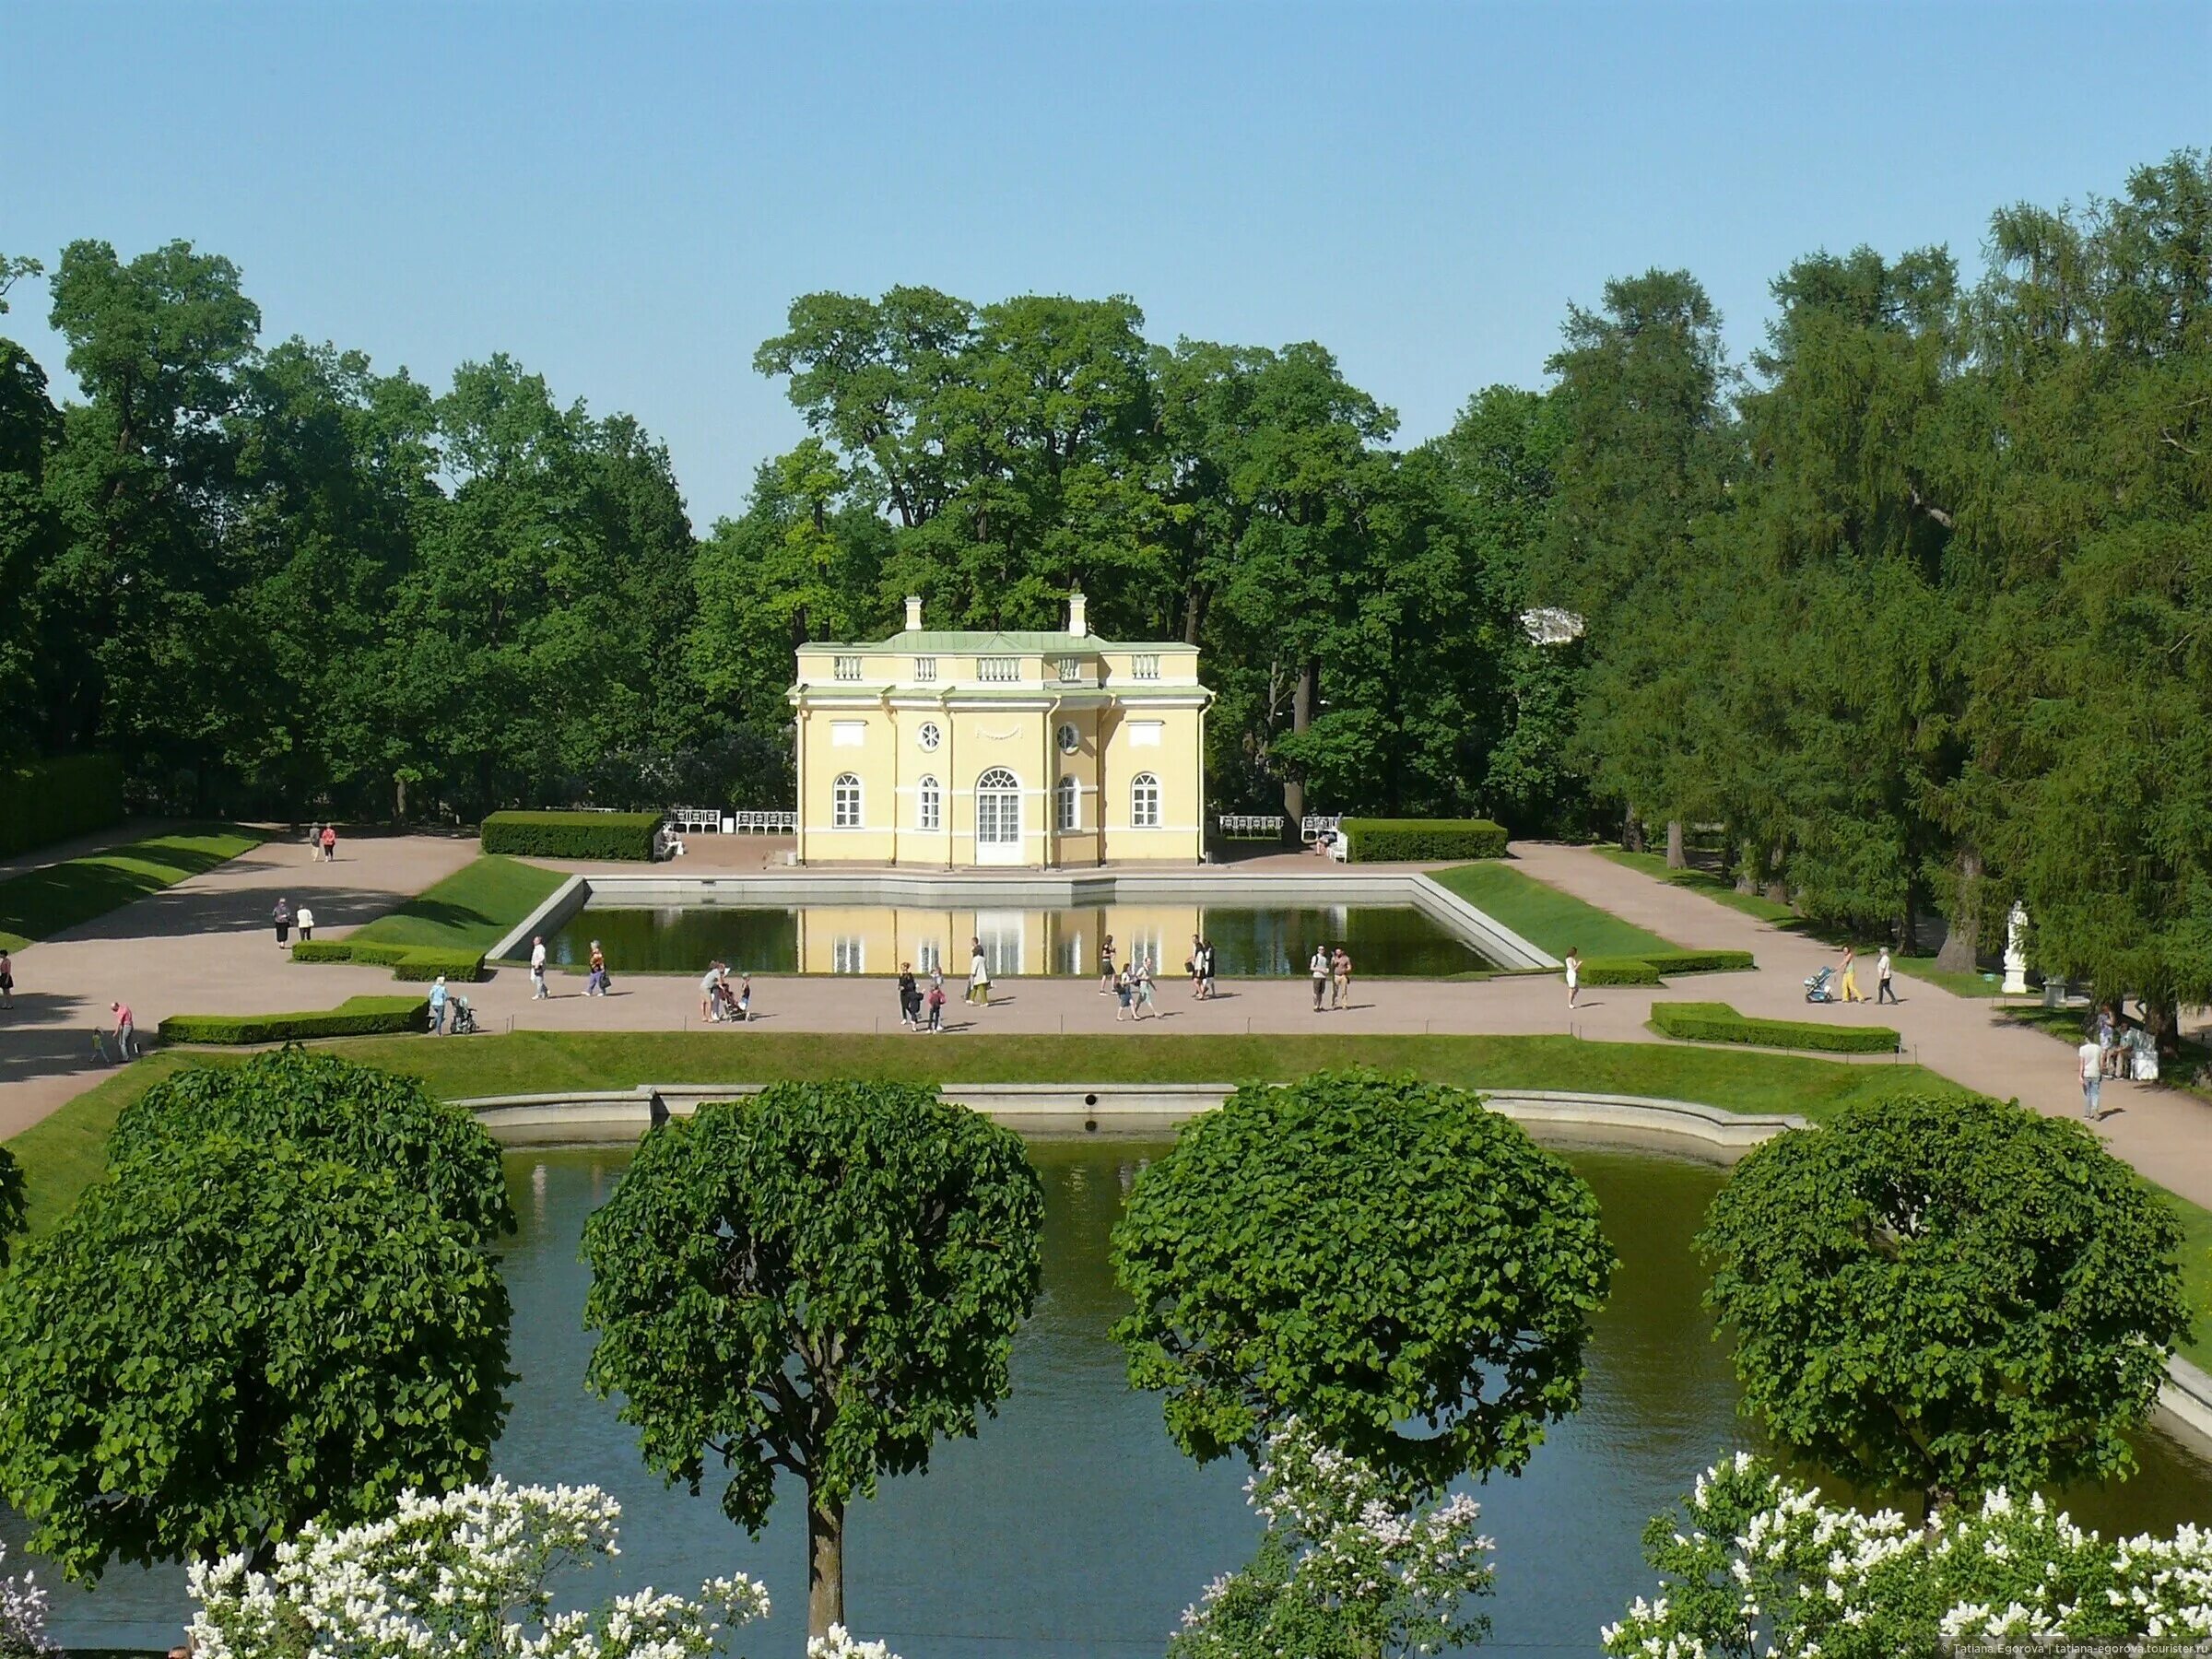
x,y
1195,967
1849,983
315,842
7,978
1124,989
936,1003
1106,967
744,999
329,843
537,968
909,997
283,917
1884,992
710,985
597,984
979,975
1574,975
1144,990
306,918
438,1000
2090,1062
1205,969
1340,975
126,1030
1319,968
2107,1038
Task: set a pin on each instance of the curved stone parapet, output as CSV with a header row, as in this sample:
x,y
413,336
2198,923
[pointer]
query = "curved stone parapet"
x,y
1117,1109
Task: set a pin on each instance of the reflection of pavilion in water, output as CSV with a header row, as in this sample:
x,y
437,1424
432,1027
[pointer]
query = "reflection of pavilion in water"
x,y
876,939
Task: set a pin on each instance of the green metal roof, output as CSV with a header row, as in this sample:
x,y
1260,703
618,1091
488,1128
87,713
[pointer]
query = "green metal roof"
x,y
925,641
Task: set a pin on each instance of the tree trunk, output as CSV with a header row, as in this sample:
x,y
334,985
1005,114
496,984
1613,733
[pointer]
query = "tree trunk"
x,y
1778,882
1746,866
1302,716
1677,856
2162,1019
1631,831
1961,951
1193,615
825,1566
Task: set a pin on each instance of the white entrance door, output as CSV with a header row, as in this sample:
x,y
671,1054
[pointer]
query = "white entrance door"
x,y
998,818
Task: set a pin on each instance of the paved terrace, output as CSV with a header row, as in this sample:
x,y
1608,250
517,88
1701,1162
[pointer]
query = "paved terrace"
x,y
205,945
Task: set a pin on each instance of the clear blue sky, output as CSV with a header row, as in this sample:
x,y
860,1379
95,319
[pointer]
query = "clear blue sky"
x,y
626,197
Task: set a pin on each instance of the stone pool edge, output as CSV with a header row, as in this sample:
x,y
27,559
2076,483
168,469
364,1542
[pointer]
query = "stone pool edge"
x,y
1123,1109
1047,890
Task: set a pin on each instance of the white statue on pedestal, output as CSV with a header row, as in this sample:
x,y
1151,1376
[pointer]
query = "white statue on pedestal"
x,y
2016,952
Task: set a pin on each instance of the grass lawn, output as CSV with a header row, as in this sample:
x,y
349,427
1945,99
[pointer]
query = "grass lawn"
x,y
473,908
1543,915
40,903
60,1155
1703,881
1722,891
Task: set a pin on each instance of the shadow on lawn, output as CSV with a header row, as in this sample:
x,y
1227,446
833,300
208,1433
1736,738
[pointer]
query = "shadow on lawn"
x,y
40,903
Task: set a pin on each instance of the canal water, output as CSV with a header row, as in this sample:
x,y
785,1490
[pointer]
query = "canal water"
x,y
1071,1528
1249,941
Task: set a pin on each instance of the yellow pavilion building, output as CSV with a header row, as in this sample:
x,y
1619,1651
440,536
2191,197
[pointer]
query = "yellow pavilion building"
x,y
1038,750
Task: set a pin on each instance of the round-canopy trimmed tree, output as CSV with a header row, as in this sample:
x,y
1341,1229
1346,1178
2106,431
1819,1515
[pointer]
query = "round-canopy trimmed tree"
x,y
1947,1295
218,1345
1408,1275
371,1119
822,1279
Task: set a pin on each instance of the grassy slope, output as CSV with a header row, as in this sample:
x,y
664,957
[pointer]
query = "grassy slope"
x,y
471,910
1545,916
42,903
1785,916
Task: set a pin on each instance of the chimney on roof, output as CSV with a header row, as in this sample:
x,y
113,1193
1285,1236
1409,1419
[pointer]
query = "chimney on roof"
x,y
913,613
1078,623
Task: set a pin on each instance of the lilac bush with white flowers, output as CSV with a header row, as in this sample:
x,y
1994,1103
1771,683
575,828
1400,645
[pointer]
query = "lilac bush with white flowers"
x,y
1755,1565
22,1617
1347,1571
464,1575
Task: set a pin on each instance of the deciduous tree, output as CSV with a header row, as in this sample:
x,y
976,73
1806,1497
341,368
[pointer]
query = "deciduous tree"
x,y
1944,1295
217,1345
822,1279
1408,1275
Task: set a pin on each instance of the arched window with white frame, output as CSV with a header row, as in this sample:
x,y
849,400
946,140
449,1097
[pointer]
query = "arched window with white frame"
x,y
1068,812
1143,802
929,809
844,802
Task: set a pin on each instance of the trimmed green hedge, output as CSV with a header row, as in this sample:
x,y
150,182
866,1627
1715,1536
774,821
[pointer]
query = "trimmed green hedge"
x,y
1422,840
1700,962
427,962
1618,971
52,800
626,835
356,1016
1717,1022
424,962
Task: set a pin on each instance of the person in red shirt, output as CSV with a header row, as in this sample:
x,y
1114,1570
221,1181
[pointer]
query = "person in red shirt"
x,y
329,843
126,1036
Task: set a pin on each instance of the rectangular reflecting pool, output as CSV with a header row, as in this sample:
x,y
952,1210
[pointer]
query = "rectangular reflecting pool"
x,y
1249,941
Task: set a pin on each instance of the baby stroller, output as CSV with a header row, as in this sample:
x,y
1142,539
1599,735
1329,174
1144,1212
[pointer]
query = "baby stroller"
x,y
465,1018
1817,988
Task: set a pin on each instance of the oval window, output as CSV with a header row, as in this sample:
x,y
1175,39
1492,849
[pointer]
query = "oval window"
x,y
929,737
1069,740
